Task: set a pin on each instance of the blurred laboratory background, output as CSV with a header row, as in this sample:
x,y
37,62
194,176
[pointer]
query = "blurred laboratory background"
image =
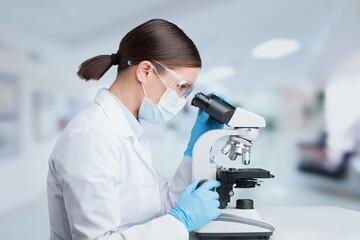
x,y
297,63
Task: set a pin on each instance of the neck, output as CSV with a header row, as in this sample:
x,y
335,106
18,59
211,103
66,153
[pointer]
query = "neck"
x,y
128,91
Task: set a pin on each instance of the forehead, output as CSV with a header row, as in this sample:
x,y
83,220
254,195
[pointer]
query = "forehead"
x,y
189,73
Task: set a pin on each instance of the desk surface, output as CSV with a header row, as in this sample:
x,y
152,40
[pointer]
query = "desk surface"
x,y
312,222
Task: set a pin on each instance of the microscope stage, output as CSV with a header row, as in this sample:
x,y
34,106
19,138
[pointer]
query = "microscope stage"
x,y
245,173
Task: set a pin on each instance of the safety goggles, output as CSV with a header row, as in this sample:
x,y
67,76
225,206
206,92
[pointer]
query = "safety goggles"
x,y
173,80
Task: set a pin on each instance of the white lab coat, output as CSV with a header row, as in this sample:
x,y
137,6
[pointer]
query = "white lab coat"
x,y
102,183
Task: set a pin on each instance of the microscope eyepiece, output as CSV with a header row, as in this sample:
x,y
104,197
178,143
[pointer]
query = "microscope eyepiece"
x,y
214,106
200,101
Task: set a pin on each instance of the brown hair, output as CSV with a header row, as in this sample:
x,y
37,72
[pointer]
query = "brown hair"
x,y
156,39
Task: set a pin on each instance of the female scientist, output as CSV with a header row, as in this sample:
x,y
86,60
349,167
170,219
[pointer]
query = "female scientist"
x,y
101,181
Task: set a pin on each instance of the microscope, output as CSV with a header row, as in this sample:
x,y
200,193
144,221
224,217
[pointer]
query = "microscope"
x,y
243,221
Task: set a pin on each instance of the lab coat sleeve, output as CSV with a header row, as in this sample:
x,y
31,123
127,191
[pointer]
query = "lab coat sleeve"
x,y
89,170
182,178
163,228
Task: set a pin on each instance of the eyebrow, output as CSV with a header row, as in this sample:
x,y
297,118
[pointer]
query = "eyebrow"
x,y
185,84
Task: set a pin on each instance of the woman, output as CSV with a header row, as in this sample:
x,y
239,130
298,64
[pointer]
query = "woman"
x,y
101,180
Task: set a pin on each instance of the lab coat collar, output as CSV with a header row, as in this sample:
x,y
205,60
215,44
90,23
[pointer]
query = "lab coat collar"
x,y
114,113
133,122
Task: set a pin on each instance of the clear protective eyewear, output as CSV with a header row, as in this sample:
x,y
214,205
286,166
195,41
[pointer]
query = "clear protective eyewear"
x,y
173,80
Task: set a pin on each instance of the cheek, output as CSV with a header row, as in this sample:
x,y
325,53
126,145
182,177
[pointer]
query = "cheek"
x,y
156,90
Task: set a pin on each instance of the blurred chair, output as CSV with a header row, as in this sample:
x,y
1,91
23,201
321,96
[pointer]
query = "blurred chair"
x,y
331,153
314,158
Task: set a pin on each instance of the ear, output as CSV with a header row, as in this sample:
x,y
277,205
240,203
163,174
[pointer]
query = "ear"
x,y
143,71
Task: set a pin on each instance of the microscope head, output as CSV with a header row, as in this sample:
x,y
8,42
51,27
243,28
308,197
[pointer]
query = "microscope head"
x,y
226,113
245,122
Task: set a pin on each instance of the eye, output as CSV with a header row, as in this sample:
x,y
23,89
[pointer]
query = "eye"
x,y
183,86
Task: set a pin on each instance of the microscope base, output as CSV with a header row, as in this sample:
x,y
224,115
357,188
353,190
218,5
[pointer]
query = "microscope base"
x,y
236,224
243,236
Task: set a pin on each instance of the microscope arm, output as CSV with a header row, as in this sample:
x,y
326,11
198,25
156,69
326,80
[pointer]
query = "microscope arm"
x,y
202,167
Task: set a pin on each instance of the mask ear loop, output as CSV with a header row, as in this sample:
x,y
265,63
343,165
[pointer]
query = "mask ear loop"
x,y
142,84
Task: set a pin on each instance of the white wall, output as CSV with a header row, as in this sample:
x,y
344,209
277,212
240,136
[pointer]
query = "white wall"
x,y
23,173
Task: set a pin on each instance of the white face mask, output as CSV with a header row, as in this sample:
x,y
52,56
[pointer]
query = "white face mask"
x,y
169,106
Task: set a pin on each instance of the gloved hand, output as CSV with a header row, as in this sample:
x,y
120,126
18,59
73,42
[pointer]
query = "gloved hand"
x,y
202,124
197,207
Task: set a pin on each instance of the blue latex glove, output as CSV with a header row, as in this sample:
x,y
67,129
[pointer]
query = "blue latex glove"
x,y
197,207
202,124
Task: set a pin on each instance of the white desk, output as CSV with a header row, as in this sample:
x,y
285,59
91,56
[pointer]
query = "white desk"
x,y
312,223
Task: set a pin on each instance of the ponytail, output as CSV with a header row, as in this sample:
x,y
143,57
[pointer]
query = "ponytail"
x,y
95,67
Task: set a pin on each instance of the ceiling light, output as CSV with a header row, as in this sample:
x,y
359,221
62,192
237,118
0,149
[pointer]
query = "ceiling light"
x,y
275,48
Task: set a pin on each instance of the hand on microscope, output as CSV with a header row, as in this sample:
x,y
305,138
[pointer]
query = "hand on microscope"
x,y
196,207
202,124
